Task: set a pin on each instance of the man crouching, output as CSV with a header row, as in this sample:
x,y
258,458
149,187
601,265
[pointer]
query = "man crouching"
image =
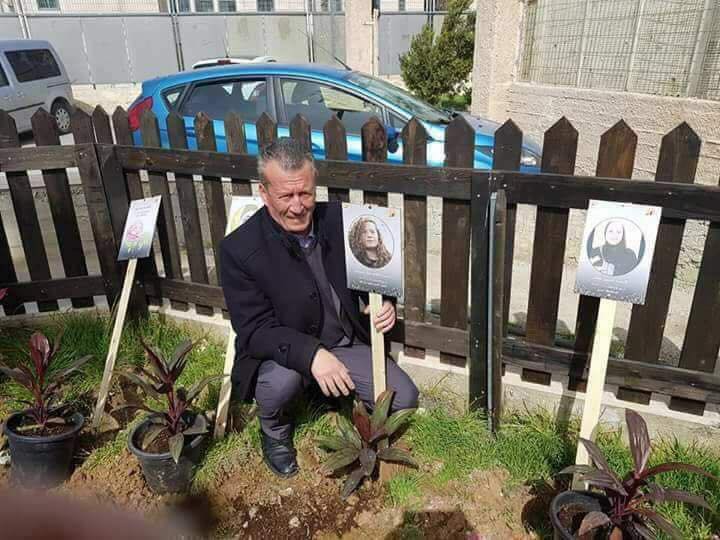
x,y
297,323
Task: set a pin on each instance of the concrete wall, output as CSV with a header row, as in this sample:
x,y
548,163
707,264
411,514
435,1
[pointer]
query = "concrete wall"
x,y
499,95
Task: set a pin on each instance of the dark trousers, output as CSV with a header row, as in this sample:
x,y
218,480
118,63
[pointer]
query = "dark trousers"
x,y
277,386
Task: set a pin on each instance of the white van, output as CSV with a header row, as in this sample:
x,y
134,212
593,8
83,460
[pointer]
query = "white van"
x,y
32,76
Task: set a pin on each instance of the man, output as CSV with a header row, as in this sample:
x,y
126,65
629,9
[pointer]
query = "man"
x,y
297,323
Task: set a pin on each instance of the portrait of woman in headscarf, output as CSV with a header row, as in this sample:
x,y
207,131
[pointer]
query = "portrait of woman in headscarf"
x,y
613,257
366,244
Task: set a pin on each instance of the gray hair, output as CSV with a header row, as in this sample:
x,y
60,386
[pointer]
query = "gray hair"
x,y
288,153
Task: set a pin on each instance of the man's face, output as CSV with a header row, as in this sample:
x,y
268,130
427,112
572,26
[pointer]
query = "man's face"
x,y
289,196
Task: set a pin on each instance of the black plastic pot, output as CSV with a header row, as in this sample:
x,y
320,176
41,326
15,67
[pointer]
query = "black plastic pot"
x,y
581,503
41,462
161,472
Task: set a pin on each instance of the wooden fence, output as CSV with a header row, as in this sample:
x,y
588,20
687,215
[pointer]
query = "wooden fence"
x,y
111,171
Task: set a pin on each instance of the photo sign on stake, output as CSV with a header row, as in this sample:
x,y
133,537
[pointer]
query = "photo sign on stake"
x,y
242,208
139,230
617,251
136,244
614,265
374,263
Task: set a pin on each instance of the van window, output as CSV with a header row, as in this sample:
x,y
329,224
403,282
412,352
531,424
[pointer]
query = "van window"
x,y
3,78
33,64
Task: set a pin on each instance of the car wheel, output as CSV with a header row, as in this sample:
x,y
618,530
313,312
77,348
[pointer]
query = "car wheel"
x,y
62,113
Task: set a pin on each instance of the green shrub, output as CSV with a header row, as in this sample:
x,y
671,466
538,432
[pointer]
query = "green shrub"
x,y
437,68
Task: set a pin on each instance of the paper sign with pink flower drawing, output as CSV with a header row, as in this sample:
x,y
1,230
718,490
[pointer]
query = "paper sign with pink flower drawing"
x,y
139,230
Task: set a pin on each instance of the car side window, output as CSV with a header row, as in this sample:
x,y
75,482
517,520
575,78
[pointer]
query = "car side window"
x,y
247,98
397,122
33,64
3,78
318,102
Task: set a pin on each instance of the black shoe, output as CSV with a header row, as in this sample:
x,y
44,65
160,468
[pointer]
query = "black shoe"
x,y
279,455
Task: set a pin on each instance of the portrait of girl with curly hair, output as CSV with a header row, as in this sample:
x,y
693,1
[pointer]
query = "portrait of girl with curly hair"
x,y
366,243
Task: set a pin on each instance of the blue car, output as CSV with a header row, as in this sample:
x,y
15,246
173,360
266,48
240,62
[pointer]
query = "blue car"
x,y
317,92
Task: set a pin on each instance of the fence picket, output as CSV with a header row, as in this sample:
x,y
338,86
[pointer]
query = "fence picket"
x,y
459,152
166,220
236,144
147,267
300,131
559,150
7,272
214,196
266,131
26,213
507,150
61,206
189,215
414,139
678,160
616,159
702,336
101,124
374,149
335,139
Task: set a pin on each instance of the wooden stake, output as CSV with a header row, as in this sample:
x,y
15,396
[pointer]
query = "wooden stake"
x,y
377,340
114,342
225,389
596,379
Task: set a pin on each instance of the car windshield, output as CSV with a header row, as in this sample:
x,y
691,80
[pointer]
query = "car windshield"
x,y
416,107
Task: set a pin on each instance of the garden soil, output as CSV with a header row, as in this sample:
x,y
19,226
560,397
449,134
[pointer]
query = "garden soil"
x,y
247,501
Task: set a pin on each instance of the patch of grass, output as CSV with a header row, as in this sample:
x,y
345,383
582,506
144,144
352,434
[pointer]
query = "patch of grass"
x,y
109,452
221,457
403,488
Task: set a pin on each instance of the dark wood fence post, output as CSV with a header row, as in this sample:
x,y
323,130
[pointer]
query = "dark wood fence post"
x,y
414,139
479,338
498,309
507,150
459,152
336,148
374,149
559,151
166,220
7,267
237,144
189,215
214,196
679,153
26,214
616,159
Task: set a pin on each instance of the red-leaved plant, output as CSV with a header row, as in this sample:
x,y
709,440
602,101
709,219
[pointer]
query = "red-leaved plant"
x,y
160,381
3,293
633,499
366,441
42,382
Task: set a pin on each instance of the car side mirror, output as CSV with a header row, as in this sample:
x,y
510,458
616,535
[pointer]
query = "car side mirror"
x,y
392,139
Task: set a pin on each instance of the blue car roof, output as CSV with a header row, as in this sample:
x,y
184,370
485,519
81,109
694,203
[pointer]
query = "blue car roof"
x,y
229,70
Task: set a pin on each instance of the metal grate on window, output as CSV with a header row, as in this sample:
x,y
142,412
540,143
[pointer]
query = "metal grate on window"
x,y
227,6
48,4
664,47
265,6
204,6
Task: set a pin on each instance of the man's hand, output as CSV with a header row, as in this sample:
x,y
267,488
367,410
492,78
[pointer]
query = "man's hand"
x,y
331,374
385,320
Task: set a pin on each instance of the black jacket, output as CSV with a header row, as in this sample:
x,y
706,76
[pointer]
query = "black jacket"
x,y
274,302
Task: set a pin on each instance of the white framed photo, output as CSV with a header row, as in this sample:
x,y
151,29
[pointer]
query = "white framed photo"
x,y
139,229
373,249
617,251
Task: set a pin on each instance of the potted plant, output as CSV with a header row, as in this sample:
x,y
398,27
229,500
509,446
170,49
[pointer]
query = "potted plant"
x,y
365,441
42,437
168,442
624,508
